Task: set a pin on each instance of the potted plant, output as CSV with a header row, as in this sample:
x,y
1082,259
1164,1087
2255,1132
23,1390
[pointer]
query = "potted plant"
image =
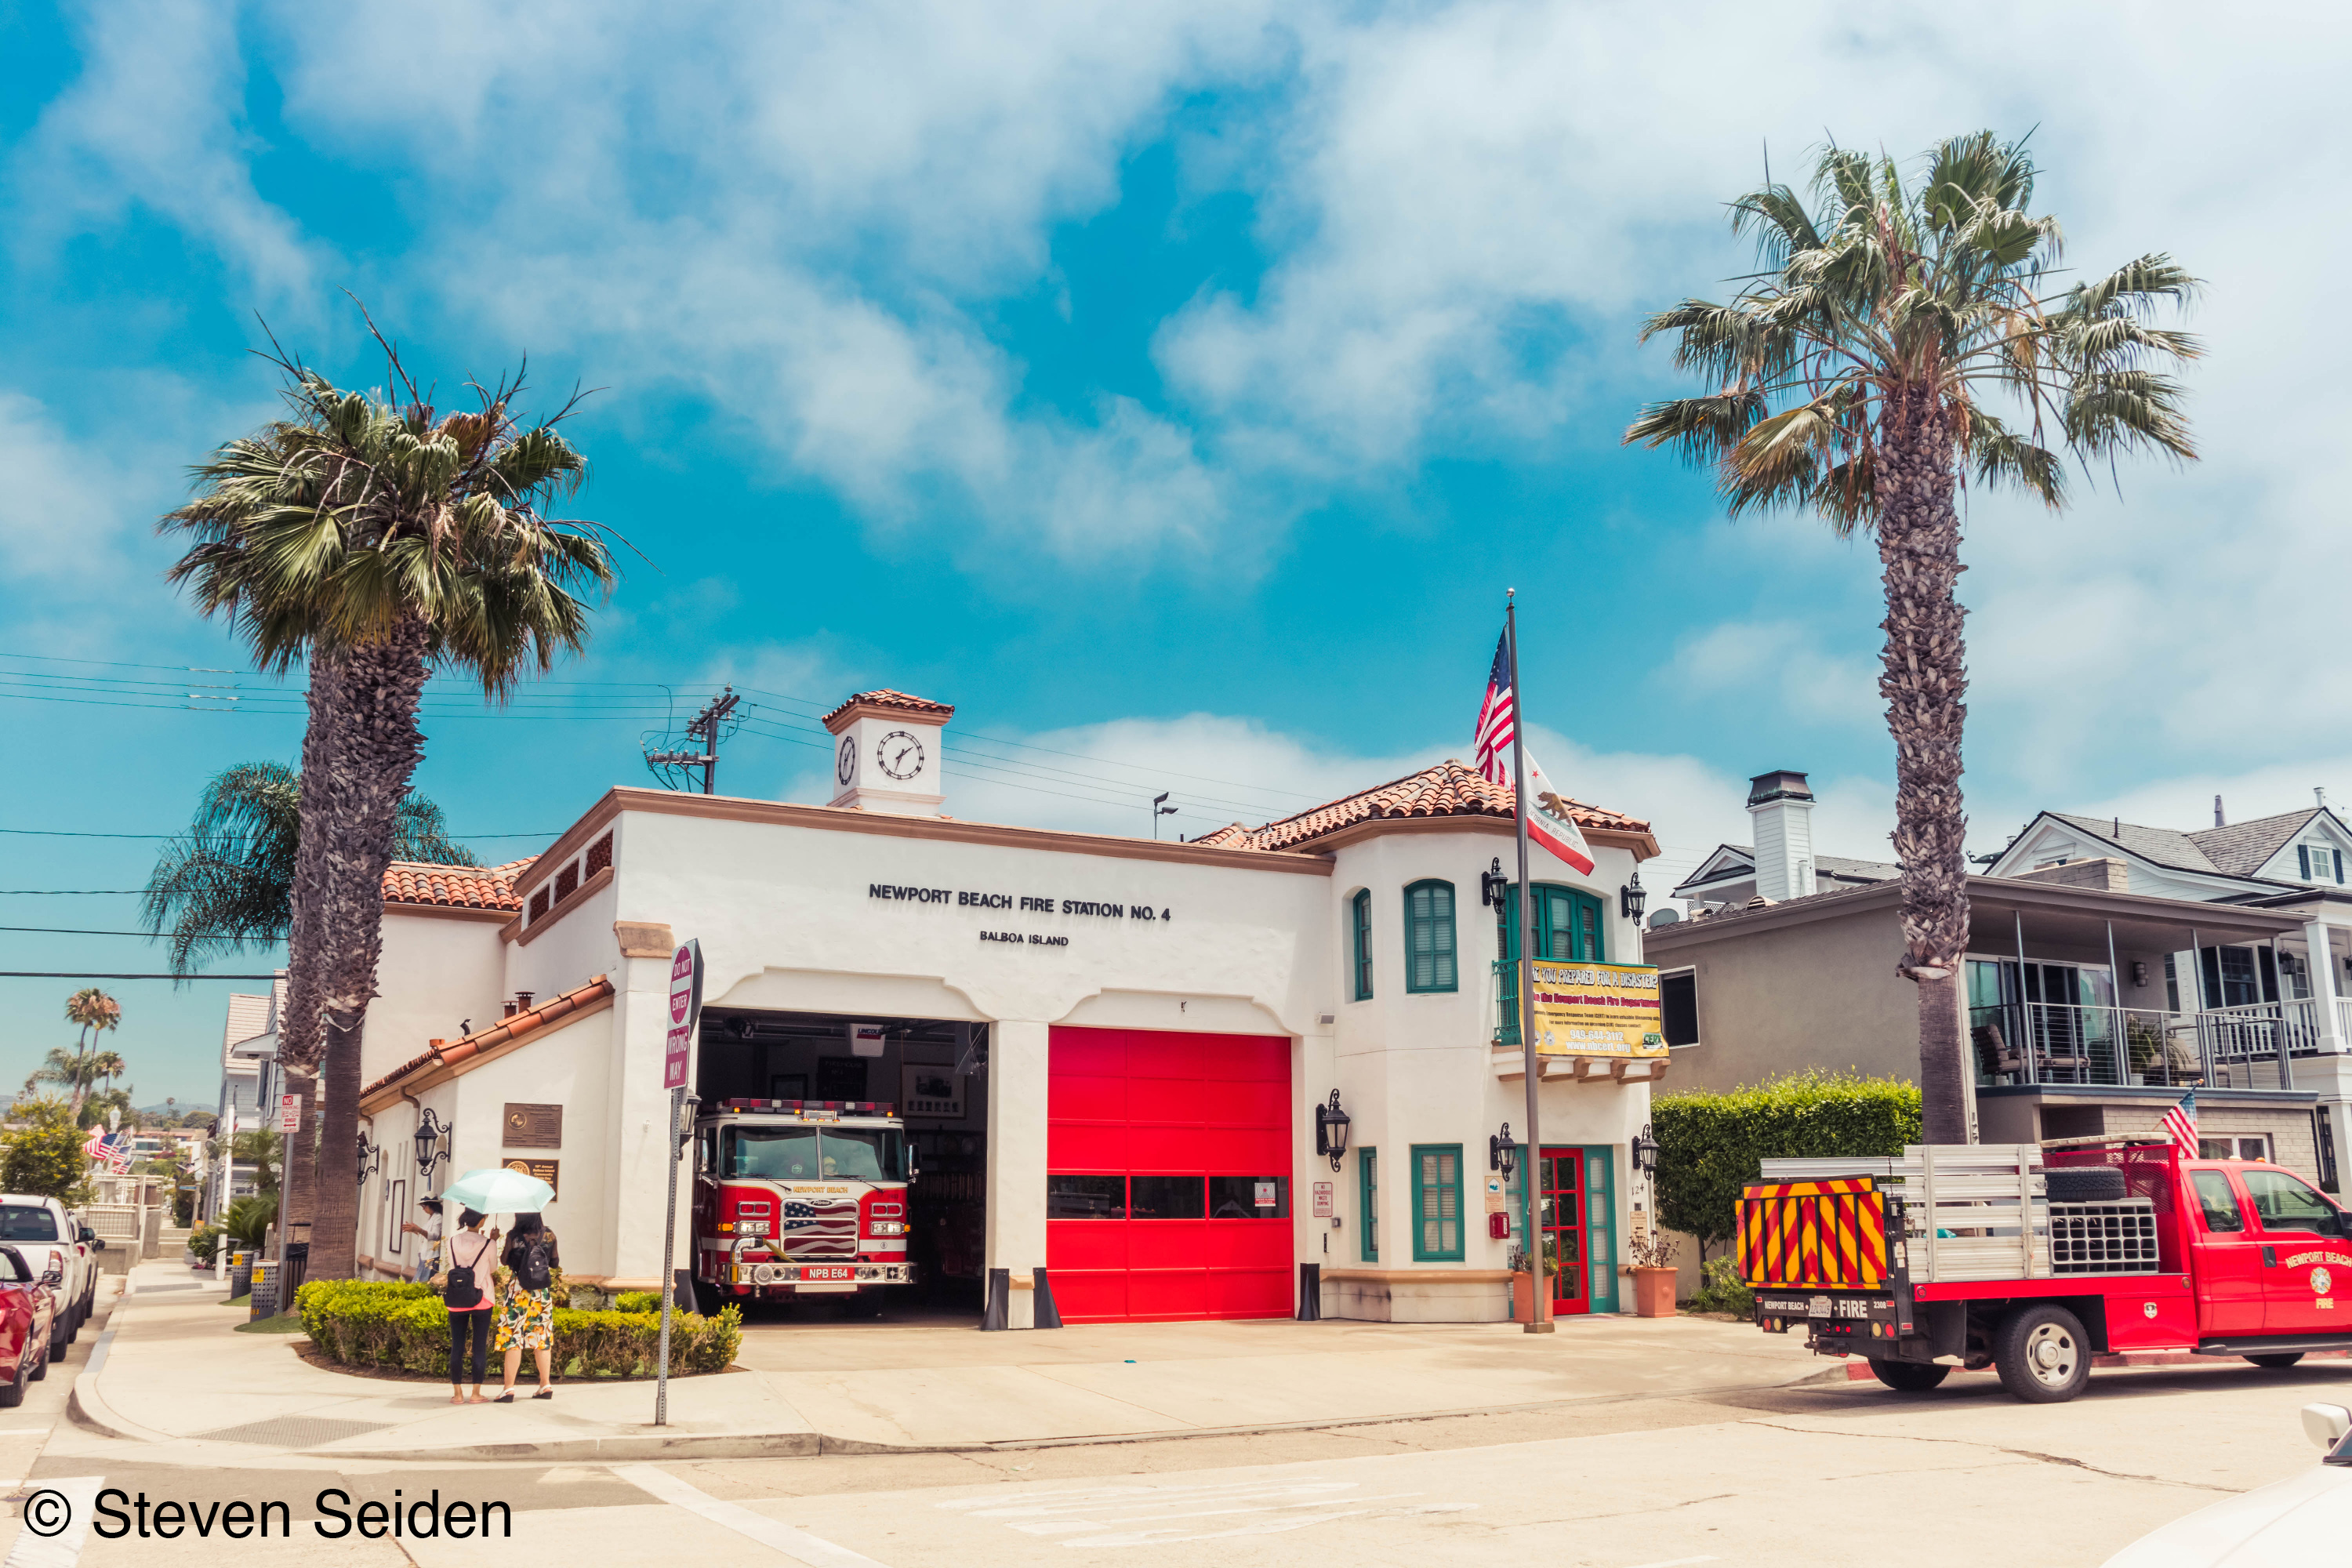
x,y
1651,1257
1522,1283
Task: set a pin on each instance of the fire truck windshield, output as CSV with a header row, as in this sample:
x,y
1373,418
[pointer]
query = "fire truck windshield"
x,y
803,1153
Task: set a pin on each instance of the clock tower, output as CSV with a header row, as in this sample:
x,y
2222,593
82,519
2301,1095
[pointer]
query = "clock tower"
x,y
886,752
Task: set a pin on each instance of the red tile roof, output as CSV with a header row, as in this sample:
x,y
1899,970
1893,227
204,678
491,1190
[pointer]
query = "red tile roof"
x,y
1448,789
505,1032
898,701
455,886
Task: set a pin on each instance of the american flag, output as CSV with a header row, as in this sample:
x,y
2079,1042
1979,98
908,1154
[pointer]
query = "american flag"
x,y
1548,824
2181,1124
819,1228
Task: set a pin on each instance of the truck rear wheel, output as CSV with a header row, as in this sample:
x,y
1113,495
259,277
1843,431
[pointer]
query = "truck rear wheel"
x,y
2277,1360
1909,1376
2042,1354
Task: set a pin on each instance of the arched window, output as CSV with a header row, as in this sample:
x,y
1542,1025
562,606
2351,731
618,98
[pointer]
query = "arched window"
x,y
1429,953
1569,926
1362,907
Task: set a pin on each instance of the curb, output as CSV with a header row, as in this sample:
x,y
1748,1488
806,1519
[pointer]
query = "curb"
x,y
84,1407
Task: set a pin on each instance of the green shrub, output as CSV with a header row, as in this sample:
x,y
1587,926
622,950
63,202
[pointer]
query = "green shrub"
x,y
204,1243
637,1302
1711,1145
248,1219
43,1155
391,1323
1724,1290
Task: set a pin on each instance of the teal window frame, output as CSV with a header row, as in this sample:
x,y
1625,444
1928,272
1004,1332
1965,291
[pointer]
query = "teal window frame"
x,y
1561,912
1368,1196
1363,906
1429,935
1423,1189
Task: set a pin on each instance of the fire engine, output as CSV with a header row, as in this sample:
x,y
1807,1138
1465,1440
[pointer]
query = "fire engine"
x,y
2032,1259
800,1197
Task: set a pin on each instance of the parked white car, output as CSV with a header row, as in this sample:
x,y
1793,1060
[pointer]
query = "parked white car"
x,y
53,1240
2306,1519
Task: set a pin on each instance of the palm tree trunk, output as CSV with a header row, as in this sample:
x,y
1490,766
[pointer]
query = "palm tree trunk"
x,y
1924,677
375,757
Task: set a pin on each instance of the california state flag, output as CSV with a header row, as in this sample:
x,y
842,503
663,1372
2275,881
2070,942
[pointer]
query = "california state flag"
x,y
1548,824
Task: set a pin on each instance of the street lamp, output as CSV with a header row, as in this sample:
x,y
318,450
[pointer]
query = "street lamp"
x,y
430,1130
1645,1152
1331,1129
1633,897
1502,1155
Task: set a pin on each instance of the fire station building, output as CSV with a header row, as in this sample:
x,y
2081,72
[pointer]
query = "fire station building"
x,y
1110,1054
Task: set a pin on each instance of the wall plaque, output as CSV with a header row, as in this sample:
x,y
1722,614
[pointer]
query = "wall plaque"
x,y
543,1169
532,1126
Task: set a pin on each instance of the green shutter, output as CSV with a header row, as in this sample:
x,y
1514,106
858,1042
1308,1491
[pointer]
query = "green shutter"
x,y
1437,1203
1363,915
1429,958
1367,1194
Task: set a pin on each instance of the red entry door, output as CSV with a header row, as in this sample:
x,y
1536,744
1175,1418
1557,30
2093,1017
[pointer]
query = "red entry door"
x,y
2228,1259
1168,1185
1562,1195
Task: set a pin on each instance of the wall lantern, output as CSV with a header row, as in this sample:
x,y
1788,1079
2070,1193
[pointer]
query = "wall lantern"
x,y
1645,1152
1502,1155
2139,972
1633,897
430,1130
370,1156
1493,887
1331,1129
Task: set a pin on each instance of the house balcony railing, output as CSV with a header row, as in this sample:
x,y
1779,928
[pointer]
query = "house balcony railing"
x,y
2251,1046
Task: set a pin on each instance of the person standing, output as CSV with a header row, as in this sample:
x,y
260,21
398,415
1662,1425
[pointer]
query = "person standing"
x,y
428,1246
527,1309
463,1286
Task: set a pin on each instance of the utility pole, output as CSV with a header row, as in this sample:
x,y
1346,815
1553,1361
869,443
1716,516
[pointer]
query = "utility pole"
x,y
703,727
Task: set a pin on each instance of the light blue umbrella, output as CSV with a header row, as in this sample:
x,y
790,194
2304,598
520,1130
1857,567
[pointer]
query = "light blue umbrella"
x,y
498,1191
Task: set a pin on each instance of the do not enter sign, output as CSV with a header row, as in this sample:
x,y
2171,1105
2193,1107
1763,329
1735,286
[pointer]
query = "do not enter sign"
x,y
685,1009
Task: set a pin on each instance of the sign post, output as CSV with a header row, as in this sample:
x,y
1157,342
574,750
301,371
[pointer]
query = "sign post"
x,y
685,1013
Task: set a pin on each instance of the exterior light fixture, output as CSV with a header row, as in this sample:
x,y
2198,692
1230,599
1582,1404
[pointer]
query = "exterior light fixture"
x,y
2139,972
430,1130
1502,1155
1645,1152
1633,897
1493,887
1331,1129
370,1156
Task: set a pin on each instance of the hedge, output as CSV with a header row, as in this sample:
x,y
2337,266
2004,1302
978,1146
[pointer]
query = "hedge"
x,y
393,1323
1712,1144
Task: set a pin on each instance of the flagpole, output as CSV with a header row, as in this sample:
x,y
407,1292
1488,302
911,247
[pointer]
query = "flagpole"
x,y
1531,1158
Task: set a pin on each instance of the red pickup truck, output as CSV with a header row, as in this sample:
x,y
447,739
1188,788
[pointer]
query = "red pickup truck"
x,y
2032,1259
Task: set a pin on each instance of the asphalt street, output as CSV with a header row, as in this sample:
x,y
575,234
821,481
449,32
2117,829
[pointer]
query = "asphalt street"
x,y
1818,1474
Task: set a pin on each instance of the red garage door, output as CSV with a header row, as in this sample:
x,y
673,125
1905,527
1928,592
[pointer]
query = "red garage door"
x,y
1168,1192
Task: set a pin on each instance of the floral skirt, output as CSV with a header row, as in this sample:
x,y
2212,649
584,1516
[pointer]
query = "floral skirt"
x,y
527,1321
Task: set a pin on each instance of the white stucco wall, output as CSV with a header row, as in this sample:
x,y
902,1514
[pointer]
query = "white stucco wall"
x,y
436,971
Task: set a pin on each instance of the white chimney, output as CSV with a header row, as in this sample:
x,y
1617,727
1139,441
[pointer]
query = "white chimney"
x,y
886,753
1782,807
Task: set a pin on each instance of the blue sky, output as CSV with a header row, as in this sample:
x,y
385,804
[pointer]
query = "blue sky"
x,y
1175,388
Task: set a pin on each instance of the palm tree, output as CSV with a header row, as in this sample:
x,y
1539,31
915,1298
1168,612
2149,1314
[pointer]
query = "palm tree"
x,y
70,1070
375,539
1851,376
228,881
96,1012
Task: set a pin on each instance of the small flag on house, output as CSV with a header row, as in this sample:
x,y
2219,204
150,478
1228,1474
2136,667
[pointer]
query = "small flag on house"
x,y
94,1146
2181,1124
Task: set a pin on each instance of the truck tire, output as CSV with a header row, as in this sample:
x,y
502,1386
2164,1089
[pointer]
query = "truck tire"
x,y
48,1353
2277,1360
2042,1354
1909,1376
2084,1185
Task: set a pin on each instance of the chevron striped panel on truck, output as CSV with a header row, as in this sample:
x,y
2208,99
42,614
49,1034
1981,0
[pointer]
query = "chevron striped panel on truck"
x,y
1814,1235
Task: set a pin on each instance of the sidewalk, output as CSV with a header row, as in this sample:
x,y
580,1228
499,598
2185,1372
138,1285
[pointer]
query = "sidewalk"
x,y
171,1370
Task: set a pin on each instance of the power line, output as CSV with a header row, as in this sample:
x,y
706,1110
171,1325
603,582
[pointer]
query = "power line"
x,y
152,936
65,892
93,974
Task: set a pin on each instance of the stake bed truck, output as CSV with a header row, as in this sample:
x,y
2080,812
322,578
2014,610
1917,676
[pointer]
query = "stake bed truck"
x,y
2032,1259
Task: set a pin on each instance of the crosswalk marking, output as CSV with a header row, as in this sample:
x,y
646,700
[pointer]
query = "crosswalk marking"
x,y
62,1550
796,1544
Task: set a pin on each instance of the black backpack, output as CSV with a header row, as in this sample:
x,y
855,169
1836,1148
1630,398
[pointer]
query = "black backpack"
x,y
534,1273
462,1290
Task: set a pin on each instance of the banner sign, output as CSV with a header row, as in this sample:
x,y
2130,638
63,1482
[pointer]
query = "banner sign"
x,y
685,1009
1597,1010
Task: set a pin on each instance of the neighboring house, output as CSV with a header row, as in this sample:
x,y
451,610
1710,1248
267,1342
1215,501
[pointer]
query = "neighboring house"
x,y
248,1060
1781,804
2073,1027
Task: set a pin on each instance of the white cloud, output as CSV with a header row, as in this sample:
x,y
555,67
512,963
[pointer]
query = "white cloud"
x,y
1783,660
61,505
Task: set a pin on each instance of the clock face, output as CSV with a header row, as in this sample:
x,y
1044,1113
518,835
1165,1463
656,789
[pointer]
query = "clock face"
x,y
845,768
899,755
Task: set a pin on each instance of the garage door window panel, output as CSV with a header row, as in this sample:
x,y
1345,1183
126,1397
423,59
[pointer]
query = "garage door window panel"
x,y
1249,1197
1168,1197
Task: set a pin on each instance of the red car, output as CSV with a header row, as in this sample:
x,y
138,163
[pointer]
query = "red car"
x,y
28,1319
